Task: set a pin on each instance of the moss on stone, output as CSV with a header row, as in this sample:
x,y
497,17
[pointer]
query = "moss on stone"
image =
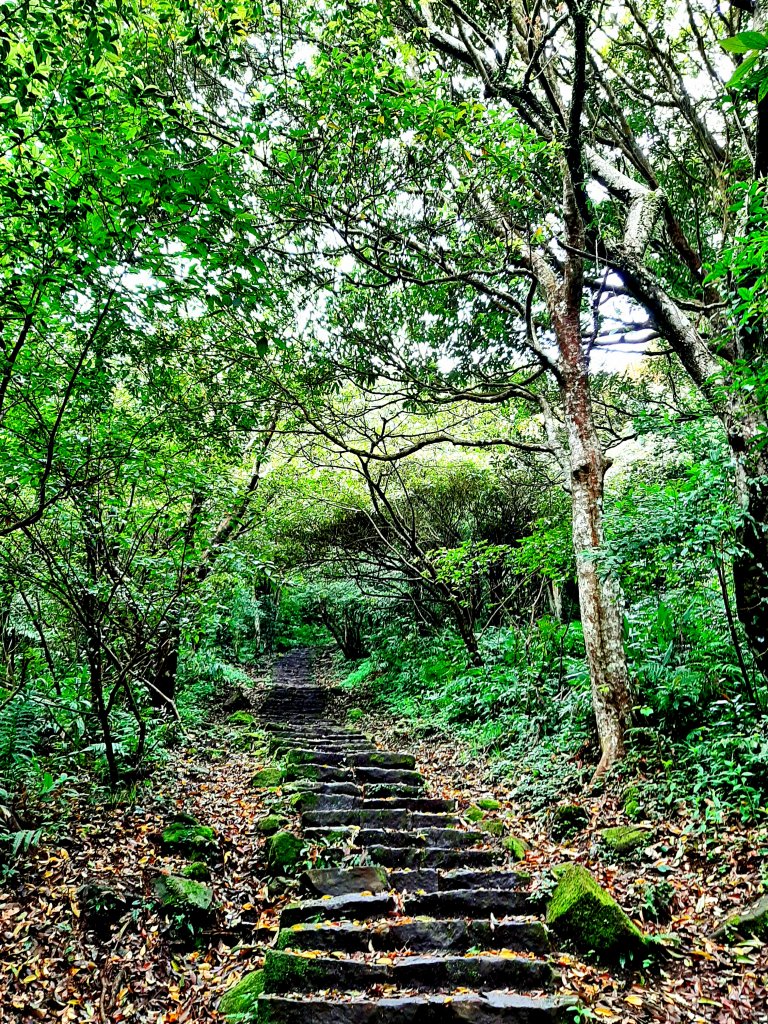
x,y
271,823
404,762
301,771
184,895
198,870
567,819
493,827
196,840
298,757
241,718
487,803
286,972
625,838
240,1004
752,921
267,778
516,846
303,801
474,813
354,714
284,852
581,911
632,806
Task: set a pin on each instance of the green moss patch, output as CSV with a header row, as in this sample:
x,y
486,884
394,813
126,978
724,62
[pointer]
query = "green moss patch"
x,y
183,895
198,870
195,840
271,823
241,718
494,827
582,912
240,1004
284,852
487,803
567,820
354,714
625,838
304,801
286,972
516,846
267,778
474,813
752,921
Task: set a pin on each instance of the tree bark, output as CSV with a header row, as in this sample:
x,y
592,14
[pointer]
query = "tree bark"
x,y
599,601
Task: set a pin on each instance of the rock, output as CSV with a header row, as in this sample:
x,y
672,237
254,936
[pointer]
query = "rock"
x,y
567,819
183,896
271,823
284,852
198,870
494,827
516,846
343,881
185,836
241,718
583,912
625,838
267,778
486,803
101,906
239,1004
753,920
474,813
304,801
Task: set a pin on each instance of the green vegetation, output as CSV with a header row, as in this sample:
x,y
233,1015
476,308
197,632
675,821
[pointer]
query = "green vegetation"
x,y
503,445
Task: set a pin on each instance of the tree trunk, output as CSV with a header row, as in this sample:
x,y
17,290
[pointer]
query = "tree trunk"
x,y
598,593
750,566
163,689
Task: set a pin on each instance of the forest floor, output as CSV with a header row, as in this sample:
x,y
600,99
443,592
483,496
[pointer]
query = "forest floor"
x,y
54,968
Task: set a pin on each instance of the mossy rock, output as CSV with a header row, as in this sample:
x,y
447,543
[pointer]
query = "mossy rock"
x,y
184,896
516,846
632,806
567,820
473,813
284,972
752,921
271,823
241,718
355,714
240,1004
487,803
198,841
625,839
198,870
298,757
493,827
284,852
296,772
582,912
303,801
267,778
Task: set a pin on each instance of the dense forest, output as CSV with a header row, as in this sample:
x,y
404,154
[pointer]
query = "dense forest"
x,y
429,338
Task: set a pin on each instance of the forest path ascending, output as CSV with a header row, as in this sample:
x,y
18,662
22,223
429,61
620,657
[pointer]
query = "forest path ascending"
x,y
413,918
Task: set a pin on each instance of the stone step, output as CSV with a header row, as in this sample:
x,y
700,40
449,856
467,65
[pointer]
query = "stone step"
x,y
472,903
343,881
389,775
422,936
325,788
432,857
388,789
434,880
291,972
318,773
458,1008
384,759
282,747
376,817
427,805
451,838
354,907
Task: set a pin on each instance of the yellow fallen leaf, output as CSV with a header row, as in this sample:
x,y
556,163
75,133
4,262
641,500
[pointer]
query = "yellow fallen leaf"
x,y
634,1000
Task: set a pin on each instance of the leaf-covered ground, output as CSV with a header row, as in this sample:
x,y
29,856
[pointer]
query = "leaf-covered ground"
x,y
54,968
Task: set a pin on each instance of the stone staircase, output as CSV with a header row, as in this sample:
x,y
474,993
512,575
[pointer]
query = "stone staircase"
x,y
411,918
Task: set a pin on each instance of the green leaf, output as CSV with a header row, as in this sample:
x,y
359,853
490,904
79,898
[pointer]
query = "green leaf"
x,y
742,71
744,42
